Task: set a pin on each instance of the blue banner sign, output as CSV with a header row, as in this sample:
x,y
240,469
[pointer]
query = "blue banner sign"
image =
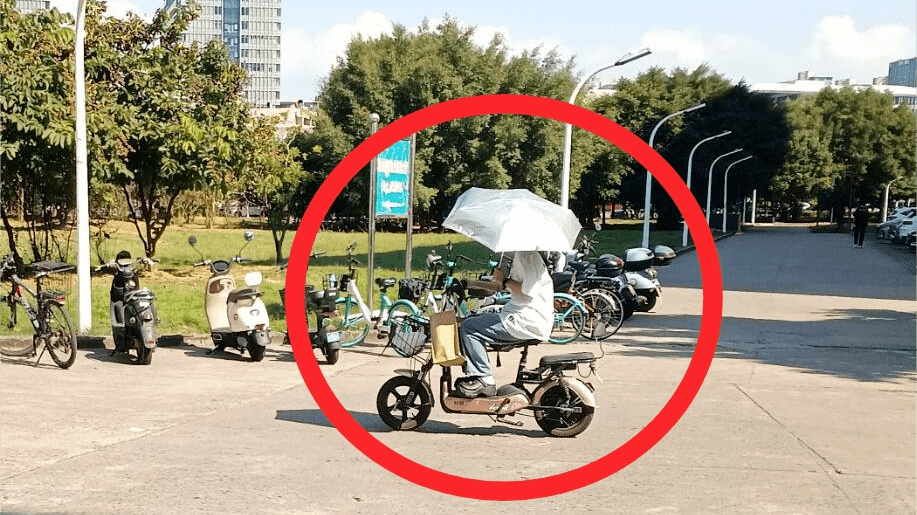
x,y
393,176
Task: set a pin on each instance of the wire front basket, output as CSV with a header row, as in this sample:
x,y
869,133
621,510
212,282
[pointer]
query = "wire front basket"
x,y
410,335
52,276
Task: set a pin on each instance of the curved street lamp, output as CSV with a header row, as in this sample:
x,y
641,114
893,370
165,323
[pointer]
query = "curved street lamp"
x,y
684,233
649,177
710,179
568,133
725,182
885,200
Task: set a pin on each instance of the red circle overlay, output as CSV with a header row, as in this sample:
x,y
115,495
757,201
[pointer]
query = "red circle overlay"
x,y
459,486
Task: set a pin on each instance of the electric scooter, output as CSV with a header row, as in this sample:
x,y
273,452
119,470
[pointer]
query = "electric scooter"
x,y
132,308
237,317
562,405
639,271
322,303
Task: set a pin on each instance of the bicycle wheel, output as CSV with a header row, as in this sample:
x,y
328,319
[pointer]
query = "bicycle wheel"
x,y
606,314
58,334
569,319
349,322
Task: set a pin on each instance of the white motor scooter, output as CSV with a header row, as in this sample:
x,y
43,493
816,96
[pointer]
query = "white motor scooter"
x,y
237,316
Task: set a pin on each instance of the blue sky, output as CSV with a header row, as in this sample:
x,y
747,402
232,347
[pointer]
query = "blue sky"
x,y
756,41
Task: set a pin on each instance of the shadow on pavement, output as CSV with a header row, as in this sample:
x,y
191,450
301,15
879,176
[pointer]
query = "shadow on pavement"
x,y
861,344
372,423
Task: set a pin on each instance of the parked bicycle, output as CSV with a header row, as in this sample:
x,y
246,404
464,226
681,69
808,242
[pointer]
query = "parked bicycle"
x,y
53,330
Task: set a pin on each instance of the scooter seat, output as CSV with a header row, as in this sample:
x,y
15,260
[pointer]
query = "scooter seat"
x,y
386,283
506,346
243,294
566,359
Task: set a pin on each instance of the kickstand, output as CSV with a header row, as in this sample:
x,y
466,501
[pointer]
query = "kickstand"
x,y
43,349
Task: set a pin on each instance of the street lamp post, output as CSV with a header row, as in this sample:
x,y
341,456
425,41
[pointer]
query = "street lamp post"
x,y
885,200
370,252
568,133
649,177
684,233
725,183
82,173
710,179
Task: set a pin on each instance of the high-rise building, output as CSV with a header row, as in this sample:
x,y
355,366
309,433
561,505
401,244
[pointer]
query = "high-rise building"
x,y
903,72
27,6
251,31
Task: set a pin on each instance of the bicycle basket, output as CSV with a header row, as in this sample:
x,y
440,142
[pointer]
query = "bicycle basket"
x,y
411,289
59,278
410,336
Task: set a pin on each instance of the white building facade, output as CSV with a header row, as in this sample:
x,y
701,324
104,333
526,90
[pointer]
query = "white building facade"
x,y
251,31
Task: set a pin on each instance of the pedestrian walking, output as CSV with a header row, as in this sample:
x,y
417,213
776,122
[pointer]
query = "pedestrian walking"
x,y
860,217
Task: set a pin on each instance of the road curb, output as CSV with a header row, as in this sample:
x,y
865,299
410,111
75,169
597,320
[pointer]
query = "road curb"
x,y
689,248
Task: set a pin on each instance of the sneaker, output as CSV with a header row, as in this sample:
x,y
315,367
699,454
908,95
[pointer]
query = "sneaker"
x,y
471,387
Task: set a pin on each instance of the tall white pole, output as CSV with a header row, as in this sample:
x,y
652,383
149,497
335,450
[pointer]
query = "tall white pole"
x,y
568,130
725,183
684,232
371,251
82,174
710,179
754,204
649,178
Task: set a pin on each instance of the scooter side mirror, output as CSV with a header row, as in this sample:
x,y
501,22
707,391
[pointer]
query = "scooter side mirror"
x,y
248,235
598,227
192,241
253,278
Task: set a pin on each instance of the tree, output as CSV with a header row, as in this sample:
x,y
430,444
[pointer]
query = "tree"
x,y
175,113
37,127
399,74
271,172
851,143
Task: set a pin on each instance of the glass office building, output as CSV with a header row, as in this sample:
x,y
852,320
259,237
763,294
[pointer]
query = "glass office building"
x,y
251,31
903,72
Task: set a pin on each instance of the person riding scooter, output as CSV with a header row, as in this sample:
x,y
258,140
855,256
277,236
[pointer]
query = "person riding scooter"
x,y
527,316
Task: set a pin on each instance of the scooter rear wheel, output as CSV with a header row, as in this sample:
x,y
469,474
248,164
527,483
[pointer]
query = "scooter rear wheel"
x,y
255,351
404,403
558,419
332,356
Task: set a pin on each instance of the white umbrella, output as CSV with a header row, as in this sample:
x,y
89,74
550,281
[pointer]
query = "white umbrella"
x,y
511,220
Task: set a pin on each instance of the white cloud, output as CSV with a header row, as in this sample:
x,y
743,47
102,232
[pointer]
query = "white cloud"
x,y
839,48
308,58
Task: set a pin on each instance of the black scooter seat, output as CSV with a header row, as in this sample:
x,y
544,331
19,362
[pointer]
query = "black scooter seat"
x,y
506,346
566,359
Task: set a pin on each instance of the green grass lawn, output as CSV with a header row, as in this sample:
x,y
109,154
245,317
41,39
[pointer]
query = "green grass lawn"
x,y
179,286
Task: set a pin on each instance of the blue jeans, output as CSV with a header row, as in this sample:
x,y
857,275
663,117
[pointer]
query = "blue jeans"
x,y
476,334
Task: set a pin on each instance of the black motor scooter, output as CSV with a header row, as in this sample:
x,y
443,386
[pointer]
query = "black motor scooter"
x,y
322,303
132,308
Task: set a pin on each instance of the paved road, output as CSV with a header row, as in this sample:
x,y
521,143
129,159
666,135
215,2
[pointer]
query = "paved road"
x,y
809,407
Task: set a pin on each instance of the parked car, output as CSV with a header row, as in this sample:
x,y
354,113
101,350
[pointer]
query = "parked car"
x,y
901,229
889,229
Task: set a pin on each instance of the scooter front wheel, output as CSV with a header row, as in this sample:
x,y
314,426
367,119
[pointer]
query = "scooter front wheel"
x,y
404,403
563,412
144,355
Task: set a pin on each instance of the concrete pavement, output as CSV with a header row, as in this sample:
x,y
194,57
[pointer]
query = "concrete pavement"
x,y
809,407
